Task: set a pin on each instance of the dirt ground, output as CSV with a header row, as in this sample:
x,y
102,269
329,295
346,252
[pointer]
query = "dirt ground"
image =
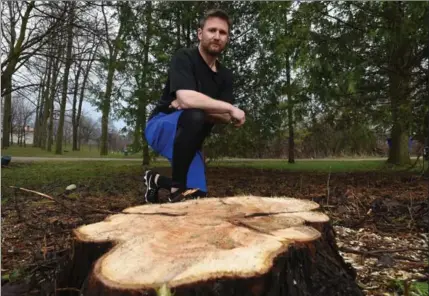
x,y
380,220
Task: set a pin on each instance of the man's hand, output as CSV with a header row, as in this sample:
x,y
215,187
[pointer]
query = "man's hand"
x,y
238,116
175,104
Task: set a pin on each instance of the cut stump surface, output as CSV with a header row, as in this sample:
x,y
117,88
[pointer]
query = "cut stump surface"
x,y
233,246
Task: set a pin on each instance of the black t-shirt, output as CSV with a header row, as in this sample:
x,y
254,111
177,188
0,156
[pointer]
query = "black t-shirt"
x,y
188,70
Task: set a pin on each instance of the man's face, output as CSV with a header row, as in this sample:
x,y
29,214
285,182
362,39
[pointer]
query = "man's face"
x,y
213,36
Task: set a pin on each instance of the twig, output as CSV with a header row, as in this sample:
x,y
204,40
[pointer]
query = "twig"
x,y
410,211
33,191
101,211
68,289
397,250
57,290
417,160
49,197
20,217
381,251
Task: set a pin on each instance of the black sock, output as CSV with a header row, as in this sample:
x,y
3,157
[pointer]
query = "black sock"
x,y
164,182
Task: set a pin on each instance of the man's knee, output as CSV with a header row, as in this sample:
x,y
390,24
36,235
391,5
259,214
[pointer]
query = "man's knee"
x,y
193,117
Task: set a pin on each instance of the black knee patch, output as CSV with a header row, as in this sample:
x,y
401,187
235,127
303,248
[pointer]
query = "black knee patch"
x,y
192,118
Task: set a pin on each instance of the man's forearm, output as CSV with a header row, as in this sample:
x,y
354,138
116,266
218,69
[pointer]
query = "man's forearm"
x,y
218,117
191,99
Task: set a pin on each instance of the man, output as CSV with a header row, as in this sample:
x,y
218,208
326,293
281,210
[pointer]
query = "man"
x,y
197,95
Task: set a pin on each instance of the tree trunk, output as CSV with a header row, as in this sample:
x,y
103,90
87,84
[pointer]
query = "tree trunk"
x,y
82,94
7,115
142,113
50,139
105,104
291,146
48,94
60,130
399,76
106,110
11,135
47,128
231,246
398,152
146,157
75,136
40,102
74,111
19,137
401,110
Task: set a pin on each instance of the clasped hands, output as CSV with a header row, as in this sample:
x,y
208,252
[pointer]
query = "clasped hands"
x,y
235,115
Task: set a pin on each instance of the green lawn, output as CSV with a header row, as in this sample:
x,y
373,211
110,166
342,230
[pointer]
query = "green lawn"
x,y
334,165
317,165
86,151
54,176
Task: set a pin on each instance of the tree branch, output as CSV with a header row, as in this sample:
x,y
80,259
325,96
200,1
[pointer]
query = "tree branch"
x,y
20,87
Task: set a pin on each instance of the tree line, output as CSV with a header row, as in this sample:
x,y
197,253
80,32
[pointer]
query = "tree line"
x,y
315,78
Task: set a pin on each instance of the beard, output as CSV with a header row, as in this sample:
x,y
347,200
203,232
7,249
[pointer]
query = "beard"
x,y
209,49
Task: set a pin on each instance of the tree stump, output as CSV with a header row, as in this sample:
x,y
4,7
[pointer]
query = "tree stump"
x,y
231,246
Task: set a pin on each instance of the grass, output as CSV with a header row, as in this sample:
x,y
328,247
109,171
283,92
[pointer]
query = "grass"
x,y
85,151
54,176
318,165
326,165
415,288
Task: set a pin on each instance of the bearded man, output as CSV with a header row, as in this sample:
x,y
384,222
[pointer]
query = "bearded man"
x,y
198,94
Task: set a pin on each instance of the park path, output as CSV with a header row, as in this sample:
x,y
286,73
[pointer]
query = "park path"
x,y
34,159
38,159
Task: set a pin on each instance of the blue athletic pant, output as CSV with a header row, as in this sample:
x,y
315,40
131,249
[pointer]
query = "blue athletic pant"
x,y
160,134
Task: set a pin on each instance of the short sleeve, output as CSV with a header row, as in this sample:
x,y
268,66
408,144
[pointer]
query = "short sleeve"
x,y
181,73
227,89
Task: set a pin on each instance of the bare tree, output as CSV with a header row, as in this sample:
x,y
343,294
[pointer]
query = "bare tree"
x,y
24,37
114,49
77,105
59,142
23,111
89,131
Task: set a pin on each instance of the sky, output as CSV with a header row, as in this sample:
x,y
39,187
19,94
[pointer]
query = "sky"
x,y
91,111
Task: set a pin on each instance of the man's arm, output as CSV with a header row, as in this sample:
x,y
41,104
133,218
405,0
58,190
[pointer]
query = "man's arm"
x,y
235,114
226,95
187,99
216,118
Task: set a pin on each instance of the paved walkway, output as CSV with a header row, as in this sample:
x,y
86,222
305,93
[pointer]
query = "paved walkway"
x,y
33,159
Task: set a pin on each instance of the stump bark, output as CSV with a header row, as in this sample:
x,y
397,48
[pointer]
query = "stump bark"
x,y
231,246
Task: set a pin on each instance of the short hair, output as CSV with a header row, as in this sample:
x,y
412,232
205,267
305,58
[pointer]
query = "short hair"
x,y
216,13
